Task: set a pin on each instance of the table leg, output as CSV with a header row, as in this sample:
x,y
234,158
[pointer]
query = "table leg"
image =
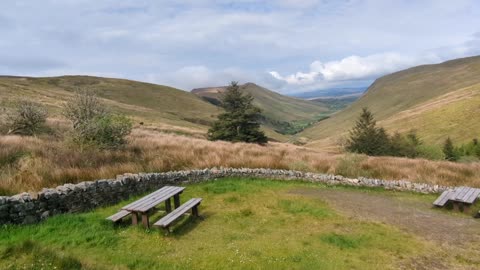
x,y
134,218
466,208
456,206
145,220
195,211
168,205
176,200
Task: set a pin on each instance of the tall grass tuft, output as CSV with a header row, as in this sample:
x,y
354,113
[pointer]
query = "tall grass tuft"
x,y
30,164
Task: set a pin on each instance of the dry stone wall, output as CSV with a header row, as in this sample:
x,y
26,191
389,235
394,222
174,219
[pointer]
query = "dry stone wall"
x,y
27,208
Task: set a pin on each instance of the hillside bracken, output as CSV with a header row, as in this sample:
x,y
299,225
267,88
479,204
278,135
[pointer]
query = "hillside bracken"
x,y
30,164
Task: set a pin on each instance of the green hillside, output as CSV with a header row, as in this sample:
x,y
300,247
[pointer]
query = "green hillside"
x,y
162,107
143,101
391,96
285,114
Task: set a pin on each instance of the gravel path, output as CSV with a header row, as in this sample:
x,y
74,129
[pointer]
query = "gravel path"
x,y
413,216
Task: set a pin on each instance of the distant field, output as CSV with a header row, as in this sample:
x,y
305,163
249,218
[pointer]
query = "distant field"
x,y
254,224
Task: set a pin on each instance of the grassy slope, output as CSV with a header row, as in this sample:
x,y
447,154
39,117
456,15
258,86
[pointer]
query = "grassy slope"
x,y
274,105
153,104
401,91
144,101
244,223
456,113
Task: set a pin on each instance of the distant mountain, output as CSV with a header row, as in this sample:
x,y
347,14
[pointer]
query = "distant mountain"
x,y
332,93
438,101
285,114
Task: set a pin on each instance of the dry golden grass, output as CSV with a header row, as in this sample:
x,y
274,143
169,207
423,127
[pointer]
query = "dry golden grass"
x,y
29,164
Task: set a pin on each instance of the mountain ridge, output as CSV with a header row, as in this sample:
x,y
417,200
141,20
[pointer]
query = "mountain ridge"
x,y
400,91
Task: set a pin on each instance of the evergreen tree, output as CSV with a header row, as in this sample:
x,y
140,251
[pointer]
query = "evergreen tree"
x,y
366,138
449,150
240,121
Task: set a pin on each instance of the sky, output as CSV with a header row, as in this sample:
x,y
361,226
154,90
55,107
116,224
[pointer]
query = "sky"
x,y
286,45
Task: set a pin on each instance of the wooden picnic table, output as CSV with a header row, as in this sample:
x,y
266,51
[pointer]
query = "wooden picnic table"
x,y
147,204
461,197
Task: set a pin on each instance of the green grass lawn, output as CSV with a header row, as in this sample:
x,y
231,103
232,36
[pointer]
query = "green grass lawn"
x,y
246,224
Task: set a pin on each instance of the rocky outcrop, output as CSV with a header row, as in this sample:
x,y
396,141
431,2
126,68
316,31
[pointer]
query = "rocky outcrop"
x,y
26,208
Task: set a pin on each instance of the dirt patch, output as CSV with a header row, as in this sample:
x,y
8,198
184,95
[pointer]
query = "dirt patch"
x,y
413,216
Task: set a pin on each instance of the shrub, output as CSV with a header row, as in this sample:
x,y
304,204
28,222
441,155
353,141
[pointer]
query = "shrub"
x,y
27,119
350,165
93,124
107,131
404,146
449,150
83,107
431,152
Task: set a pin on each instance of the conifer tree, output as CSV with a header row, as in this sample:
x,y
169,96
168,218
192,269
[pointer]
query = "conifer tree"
x,y
366,138
449,150
240,121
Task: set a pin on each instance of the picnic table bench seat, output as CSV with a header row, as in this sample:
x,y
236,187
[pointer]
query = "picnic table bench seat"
x,y
118,216
167,220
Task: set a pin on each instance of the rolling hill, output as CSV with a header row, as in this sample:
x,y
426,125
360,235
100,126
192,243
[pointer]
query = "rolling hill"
x,y
161,107
284,114
436,100
143,101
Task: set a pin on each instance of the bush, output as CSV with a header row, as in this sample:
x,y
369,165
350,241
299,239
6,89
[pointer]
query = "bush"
x,y
350,165
451,154
27,119
405,146
431,152
93,124
108,131
83,107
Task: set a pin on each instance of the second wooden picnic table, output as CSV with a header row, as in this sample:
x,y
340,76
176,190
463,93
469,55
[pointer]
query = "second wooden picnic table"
x,y
147,204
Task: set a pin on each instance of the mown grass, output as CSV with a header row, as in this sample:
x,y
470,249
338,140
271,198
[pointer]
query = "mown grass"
x,y
246,224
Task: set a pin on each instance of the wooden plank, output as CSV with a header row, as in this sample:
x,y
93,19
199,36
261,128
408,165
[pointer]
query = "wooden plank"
x,y
467,194
186,207
151,200
133,204
165,193
460,192
161,198
168,219
442,200
474,196
118,216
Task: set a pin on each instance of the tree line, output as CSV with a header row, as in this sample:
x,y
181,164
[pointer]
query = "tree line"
x,y
367,138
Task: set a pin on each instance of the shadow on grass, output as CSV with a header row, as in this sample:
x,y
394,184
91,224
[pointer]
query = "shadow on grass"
x,y
187,223
35,256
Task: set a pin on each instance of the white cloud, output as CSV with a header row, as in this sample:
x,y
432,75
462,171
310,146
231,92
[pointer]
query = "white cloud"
x,y
190,44
190,77
353,68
